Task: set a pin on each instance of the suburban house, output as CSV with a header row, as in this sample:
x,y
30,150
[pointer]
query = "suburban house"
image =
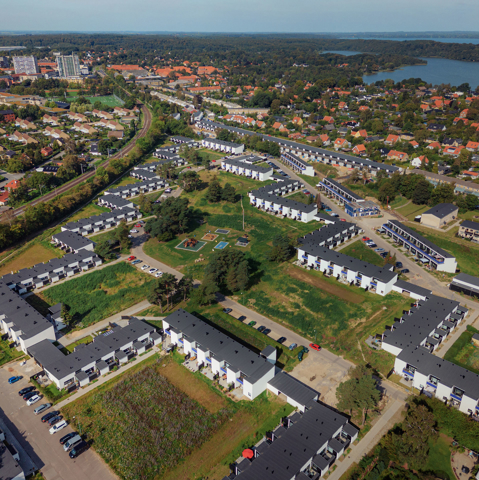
x,y
439,215
297,164
246,169
426,251
50,119
25,124
395,155
360,150
86,129
391,139
22,138
102,114
418,161
223,146
470,230
88,362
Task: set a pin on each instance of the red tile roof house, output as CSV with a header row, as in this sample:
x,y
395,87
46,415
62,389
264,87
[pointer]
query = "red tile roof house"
x,y
414,143
468,173
325,139
360,150
472,146
328,119
460,119
47,151
464,113
395,155
12,185
341,143
277,125
392,139
452,151
4,198
434,145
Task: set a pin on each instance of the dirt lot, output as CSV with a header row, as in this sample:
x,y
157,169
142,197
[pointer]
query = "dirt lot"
x,y
336,290
33,255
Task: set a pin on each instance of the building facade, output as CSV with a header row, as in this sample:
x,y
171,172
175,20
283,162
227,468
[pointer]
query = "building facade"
x,y
28,65
68,66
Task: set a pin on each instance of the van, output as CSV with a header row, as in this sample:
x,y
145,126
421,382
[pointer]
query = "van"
x,y
78,448
58,426
71,443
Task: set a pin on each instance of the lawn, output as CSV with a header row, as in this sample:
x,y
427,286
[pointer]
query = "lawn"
x,y
210,154
88,211
85,340
102,293
299,197
463,352
8,354
360,251
326,170
411,210
439,458
36,253
108,100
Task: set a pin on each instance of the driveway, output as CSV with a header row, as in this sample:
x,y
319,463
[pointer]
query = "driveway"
x,y
44,449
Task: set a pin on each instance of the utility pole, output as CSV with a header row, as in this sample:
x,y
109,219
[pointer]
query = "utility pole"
x,y
243,209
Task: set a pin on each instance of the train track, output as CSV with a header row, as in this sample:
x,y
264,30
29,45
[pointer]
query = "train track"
x,y
82,178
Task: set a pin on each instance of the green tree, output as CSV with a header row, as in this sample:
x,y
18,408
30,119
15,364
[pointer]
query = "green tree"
x,y
205,294
387,192
121,234
189,180
422,192
170,284
228,194
156,294
185,285
282,249
104,249
228,269
66,315
215,192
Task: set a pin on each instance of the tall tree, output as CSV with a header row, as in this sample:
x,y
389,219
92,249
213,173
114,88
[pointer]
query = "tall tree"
x,y
121,234
190,180
156,294
281,249
214,192
229,193
170,284
205,294
185,285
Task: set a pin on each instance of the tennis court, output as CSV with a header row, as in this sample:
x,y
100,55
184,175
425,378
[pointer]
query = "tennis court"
x,y
222,232
221,245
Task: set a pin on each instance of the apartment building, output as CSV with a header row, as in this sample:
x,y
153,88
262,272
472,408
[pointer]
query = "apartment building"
x,y
88,362
68,66
470,230
243,368
332,235
222,146
114,202
304,446
72,242
144,174
133,189
297,164
28,65
179,140
246,169
427,252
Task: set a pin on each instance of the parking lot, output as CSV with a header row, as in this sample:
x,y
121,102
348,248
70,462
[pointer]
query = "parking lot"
x,y
33,435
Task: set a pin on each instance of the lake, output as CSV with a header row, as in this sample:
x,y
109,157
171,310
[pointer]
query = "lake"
x,y
437,71
346,53
474,41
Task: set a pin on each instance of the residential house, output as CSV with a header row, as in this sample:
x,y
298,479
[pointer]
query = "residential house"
x,y
86,129
341,143
439,215
223,146
25,124
47,151
469,230
395,155
102,114
7,116
418,161
360,150
391,139
472,146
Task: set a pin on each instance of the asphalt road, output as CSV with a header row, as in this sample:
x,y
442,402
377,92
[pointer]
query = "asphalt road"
x,y
33,435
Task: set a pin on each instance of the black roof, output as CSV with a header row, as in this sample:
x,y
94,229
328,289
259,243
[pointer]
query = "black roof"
x,y
470,224
469,279
413,288
293,388
441,210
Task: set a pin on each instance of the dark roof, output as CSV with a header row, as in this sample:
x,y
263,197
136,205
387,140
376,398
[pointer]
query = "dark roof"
x,y
326,235
253,168
72,240
9,467
222,142
294,389
341,187
469,279
470,224
441,210
412,288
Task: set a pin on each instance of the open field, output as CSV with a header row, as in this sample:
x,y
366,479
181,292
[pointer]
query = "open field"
x,y
360,251
439,458
108,100
148,417
102,293
88,211
411,210
463,352
210,154
37,253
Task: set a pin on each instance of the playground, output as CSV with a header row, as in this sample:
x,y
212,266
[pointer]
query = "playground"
x,y
209,237
191,245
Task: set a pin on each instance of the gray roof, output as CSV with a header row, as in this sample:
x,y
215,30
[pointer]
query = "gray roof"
x,y
470,224
469,279
293,388
220,345
9,467
101,218
72,240
253,168
421,322
442,210
412,288
285,202
341,187
268,350
287,455
354,264
116,201
447,372
421,239
136,186
302,162
222,142
326,235
144,173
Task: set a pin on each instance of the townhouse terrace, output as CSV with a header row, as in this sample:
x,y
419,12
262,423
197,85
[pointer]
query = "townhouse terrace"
x,y
239,167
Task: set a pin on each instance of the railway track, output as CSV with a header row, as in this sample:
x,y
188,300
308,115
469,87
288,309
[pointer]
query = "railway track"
x,y
65,188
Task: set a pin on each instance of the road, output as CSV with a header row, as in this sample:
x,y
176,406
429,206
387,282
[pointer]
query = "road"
x,y
82,178
44,449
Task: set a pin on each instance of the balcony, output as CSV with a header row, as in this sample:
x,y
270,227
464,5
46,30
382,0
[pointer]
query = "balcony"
x,y
408,372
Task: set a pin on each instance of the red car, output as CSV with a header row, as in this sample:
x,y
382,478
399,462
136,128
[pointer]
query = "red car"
x,y
130,259
342,220
365,239
138,225
315,347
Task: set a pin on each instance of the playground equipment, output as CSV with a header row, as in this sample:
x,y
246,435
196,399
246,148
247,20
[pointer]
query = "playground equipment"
x,y
190,242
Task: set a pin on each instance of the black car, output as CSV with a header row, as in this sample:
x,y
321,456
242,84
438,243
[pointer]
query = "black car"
x,y
227,310
54,420
384,254
399,264
405,270
242,318
261,329
281,339
67,437
78,449
267,331
29,395
49,415
25,390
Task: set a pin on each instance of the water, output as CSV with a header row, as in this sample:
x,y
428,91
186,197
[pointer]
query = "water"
x,y
346,53
474,41
437,71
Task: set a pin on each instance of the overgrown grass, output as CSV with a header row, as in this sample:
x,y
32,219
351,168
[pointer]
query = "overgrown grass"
x,y
360,251
439,457
8,354
463,353
102,293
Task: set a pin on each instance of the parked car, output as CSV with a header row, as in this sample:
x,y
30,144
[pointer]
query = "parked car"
x,y
141,222
42,408
293,346
130,258
365,239
267,331
314,346
78,449
281,339
136,262
168,190
145,267
152,270
133,231
261,329
306,192
54,420
384,254
29,395
49,415
72,443
14,379
252,323
381,230
334,215
242,318
57,427
34,399
138,225
67,437
25,390
342,220
327,209
405,270
227,310
379,250
158,274
398,264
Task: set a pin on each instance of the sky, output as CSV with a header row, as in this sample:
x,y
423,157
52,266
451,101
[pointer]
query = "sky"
x,y
240,16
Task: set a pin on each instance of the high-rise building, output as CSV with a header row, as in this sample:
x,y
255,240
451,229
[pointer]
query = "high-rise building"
x,y
26,65
68,66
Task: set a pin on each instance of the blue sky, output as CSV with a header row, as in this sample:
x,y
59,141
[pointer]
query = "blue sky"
x,y
240,16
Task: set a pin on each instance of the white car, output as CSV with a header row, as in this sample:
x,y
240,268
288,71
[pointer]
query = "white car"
x,y
168,190
58,426
158,274
145,267
133,231
33,400
152,270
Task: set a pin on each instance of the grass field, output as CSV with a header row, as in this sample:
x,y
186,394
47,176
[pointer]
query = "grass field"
x,y
37,253
411,210
85,340
360,251
102,293
463,352
8,354
439,458
108,100
88,211
299,197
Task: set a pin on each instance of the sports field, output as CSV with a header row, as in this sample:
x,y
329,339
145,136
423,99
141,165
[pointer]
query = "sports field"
x,y
108,100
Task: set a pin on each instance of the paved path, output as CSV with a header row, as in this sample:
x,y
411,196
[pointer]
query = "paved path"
x,y
76,335
105,378
384,423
